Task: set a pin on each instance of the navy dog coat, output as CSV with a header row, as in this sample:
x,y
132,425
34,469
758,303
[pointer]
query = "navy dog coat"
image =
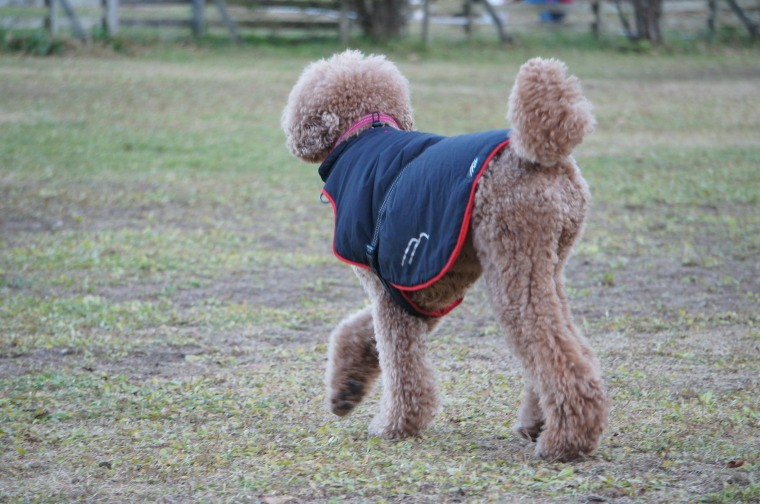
x,y
403,201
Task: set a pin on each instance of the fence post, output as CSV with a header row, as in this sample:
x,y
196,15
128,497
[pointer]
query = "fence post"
x,y
51,21
228,22
76,24
344,22
198,24
468,18
596,24
426,22
712,17
503,36
111,17
748,23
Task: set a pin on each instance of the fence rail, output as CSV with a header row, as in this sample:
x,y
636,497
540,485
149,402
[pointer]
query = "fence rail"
x,y
114,16
200,16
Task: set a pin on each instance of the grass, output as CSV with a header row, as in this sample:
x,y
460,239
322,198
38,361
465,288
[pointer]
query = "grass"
x,y
167,287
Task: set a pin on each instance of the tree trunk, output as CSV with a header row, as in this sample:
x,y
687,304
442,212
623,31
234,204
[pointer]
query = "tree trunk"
x,y
382,19
648,14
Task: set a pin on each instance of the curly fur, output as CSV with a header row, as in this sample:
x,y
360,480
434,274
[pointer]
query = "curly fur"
x,y
333,94
548,112
529,210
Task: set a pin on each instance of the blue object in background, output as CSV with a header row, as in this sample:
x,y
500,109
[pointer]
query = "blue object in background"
x,y
554,12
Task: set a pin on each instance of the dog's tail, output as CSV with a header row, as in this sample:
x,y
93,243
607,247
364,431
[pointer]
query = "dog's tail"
x,y
548,113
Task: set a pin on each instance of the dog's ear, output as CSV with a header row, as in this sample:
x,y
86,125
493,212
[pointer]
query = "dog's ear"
x,y
311,127
311,138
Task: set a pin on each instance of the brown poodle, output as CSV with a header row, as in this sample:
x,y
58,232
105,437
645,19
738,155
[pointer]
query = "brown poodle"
x,y
526,210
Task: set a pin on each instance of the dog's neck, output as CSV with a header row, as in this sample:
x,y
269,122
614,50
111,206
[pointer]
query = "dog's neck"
x,y
371,120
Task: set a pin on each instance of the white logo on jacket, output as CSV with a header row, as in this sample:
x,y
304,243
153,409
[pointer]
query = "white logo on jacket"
x,y
473,166
413,244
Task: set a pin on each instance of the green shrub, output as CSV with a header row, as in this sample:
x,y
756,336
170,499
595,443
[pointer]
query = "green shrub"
x,y
37,43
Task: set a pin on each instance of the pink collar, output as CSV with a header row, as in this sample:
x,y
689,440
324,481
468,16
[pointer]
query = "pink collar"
x,y
375,118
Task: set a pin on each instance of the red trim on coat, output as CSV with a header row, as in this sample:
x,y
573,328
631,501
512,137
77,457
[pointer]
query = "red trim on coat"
x,y
462,230
440,313
335,221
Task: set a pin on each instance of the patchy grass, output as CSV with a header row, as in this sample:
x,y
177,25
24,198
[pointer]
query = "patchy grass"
x,y
167,287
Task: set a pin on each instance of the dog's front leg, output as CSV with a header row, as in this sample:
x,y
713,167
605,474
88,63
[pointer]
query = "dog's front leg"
x,y
352,362
410,400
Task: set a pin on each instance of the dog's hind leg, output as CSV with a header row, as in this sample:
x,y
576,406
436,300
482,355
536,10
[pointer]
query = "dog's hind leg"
x,y
352,362
410,400
564,374
530,419
522,264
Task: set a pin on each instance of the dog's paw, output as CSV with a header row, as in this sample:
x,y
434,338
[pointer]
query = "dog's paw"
x,y
405,424
575,431
382,428
528,432
345,399
530,420
563,447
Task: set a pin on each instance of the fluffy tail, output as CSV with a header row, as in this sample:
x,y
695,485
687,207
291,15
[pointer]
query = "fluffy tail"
x,y
548,113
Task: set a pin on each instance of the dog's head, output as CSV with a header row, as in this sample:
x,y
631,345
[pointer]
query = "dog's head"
x,y
332,94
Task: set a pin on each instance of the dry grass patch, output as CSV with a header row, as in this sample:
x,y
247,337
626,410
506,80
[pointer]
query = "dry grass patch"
x,y
167,287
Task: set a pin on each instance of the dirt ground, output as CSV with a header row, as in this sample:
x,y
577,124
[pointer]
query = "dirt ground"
x,y
164,341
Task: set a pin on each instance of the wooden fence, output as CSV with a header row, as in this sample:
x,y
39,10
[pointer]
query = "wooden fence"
x,y
324,15
121,17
